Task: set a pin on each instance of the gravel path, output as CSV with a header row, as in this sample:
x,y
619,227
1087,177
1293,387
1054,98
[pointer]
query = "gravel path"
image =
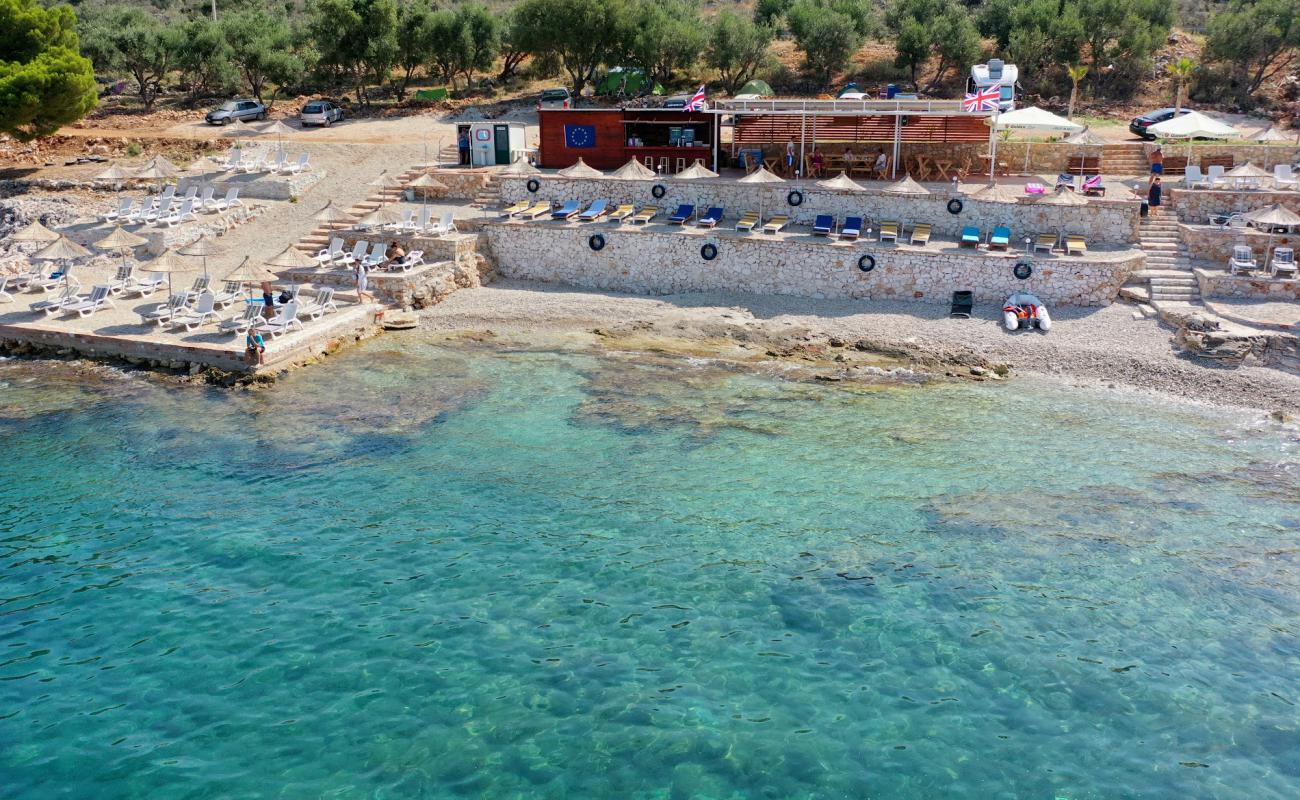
x,y
1095,344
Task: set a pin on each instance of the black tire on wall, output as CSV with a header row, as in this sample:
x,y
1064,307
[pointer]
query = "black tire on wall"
x,y
794,198
955,206
659,190
709,251
1022,270
596,242
867,262
533,185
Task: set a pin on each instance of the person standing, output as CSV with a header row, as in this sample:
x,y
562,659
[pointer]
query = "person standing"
x,y
268,300
789,159
1153,193
1157,161
462,144
361,282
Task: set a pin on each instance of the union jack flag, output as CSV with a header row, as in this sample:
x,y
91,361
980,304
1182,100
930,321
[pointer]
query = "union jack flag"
x,y
697,100
982,100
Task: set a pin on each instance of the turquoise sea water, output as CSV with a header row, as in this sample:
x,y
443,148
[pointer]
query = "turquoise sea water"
x,y
424,570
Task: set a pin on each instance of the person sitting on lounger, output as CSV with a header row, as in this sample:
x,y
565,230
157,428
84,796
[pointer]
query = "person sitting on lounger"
x,y
394,254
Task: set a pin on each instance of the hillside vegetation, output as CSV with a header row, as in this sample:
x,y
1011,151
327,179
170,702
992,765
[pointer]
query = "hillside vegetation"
x,y
1237,53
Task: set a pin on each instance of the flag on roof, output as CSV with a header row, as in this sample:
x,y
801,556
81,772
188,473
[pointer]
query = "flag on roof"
x,y
982,100
697,100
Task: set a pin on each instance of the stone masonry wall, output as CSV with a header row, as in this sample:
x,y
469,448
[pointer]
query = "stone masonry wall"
x,y
1109,222
1194,206
1218,283
663,262
1214,244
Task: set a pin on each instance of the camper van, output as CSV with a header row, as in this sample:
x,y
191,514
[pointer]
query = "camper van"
x,y
996,73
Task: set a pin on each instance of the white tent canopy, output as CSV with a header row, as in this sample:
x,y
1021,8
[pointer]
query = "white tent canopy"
x,y
1193,125
1035,119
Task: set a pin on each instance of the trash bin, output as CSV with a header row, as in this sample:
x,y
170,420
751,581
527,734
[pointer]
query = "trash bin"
x,y
1145,209
890,91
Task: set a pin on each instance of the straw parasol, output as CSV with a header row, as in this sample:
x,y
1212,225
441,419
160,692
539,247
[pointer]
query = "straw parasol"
x,y
906,186
1270,134
249,272
633,170
842,183
762,175
383,215
291,258
426,182
35,233
115,173
385,182
1062,197
995,193
520,168
168,263
121,240
1247,170
63,250
158,168
1273,217
694,171
581,170
242,129
1085,137
278,129
203,247
332,214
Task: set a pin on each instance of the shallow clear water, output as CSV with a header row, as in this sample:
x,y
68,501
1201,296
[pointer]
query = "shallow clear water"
x,y
432,571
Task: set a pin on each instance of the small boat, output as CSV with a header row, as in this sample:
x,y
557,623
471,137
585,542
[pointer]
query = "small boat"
x,y
1024,310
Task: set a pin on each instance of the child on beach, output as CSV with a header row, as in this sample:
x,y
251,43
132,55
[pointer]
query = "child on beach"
x,y
254,348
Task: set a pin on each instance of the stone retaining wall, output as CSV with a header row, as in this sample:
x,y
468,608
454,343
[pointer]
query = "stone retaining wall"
x,y
1218,283
462,184
657,261
259,185
1214,244
420,288
1111,222
1194,206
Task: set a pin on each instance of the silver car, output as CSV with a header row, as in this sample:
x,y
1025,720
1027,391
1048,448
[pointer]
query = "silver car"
x,y
320,112
236,111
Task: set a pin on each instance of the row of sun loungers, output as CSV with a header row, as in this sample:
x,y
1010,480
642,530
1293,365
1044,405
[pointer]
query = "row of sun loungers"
x,y
167,209
421,222
369,255
999,238
278,163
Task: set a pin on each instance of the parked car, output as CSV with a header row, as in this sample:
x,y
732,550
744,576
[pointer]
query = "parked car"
x,y
320,112
236,111
1139,125
555,98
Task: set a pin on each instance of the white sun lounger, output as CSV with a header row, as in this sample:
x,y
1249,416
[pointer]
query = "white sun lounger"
x,y
163,312
332,253
230,200
252,317
233,292
298,166
320,305
5,297
98,298
443,226
55,304
144,285
285,320
120,211
204,311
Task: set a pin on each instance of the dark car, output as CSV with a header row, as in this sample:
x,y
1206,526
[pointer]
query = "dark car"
x,y
236,111
320,112
1139,125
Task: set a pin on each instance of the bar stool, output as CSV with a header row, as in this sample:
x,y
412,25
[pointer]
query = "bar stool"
x,y
650,163
681,165
663,165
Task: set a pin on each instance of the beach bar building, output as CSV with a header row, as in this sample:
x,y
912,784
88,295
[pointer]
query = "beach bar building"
x,y
669,140
665,140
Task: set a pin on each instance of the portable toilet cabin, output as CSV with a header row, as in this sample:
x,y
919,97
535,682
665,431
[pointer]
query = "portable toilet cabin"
x,y
494,142
996,73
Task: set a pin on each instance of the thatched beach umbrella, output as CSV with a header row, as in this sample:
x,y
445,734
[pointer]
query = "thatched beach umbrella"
x,y
278,129
427,182
115,174
1271,136
694,172
1062,197
35,233
906,186
381,216
332,214
242,130
121,240
158,168
249,272
581,170
1273,217
633,170
203,247
842,183
63,250
762,175
520,168
1248,171
996,193
291,258
169,263
384,182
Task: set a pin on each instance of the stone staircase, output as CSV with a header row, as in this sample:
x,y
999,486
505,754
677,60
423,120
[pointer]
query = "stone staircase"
x,y
319,238
1128,158
1167,276
489,195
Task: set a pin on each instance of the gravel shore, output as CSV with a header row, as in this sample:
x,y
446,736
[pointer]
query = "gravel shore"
x,y
1096,345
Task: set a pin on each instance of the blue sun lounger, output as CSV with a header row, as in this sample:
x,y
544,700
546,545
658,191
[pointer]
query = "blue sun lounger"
x,y
823,224
1000,237
595,211
682,214
567,211
711,218
970,235
852,228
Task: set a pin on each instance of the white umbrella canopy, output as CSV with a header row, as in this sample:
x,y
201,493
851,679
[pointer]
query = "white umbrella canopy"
x,y
581,170
842,183
278,129
35,233
905,186
1034,118
1085,137
243,129
633,170
762,175
1193,125
695,171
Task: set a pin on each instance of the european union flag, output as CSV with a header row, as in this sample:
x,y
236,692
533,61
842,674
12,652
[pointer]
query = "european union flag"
x,y
579,136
